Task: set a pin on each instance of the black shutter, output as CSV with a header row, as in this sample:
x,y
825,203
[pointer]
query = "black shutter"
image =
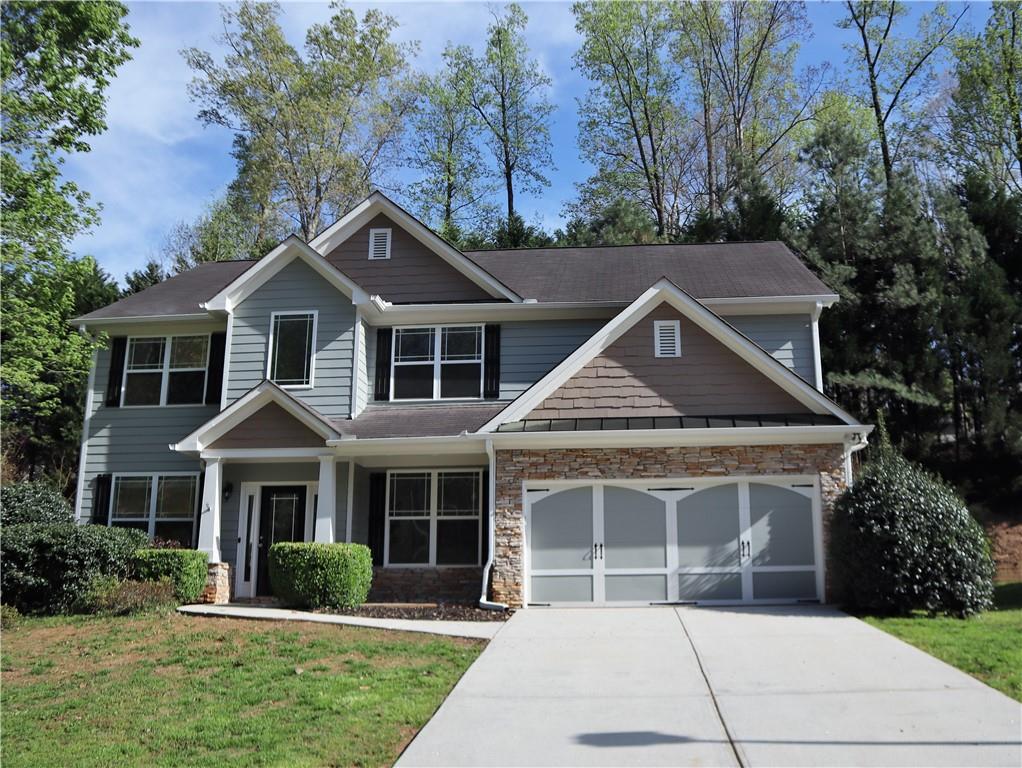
x,y
491,363
384,341
377,514
215,372
118,348
101,499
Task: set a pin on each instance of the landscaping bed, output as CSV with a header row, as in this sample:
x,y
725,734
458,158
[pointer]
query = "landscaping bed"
x,y
170,690
429,611
986,646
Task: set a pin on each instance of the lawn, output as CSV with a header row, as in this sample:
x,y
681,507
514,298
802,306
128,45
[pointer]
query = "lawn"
x,y
178,690
988,646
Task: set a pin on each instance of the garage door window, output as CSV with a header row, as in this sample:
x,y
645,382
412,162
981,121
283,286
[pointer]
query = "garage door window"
x,y
433,518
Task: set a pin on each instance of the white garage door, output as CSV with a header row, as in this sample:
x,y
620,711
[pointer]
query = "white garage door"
x,y
751,540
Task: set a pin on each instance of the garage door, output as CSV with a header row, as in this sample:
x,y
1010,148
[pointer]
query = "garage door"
x,y
752,540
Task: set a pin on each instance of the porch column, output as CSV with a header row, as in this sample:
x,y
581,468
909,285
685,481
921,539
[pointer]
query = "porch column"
x,y
209,517
325,508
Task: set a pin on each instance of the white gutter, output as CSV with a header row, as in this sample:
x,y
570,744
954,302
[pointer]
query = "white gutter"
x,y
484,602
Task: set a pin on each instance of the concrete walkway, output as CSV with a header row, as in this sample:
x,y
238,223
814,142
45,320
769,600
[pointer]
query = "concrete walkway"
x,y
697,686
483,630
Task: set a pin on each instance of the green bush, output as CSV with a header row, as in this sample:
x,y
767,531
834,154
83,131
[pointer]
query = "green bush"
x,y
186,569
902,540
33,502
9,617
48,568
312,575
109,596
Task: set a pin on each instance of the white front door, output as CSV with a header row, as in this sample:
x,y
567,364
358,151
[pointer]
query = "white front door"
x,y
707,541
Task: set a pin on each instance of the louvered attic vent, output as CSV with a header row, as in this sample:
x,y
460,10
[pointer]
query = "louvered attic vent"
x,y
667,338
379,244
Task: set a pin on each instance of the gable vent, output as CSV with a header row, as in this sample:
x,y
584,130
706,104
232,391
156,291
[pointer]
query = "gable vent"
x,y
379,244
667,338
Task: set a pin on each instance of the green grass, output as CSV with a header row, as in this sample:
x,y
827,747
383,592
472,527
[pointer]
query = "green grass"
x,y
177,690
988,646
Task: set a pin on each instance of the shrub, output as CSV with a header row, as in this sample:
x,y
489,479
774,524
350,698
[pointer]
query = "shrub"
x,y
110,596
902,540
33,502
9,617
314,575
186,569
48,568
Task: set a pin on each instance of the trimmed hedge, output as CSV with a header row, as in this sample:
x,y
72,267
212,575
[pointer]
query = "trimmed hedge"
x,y
315,575
49,568
33,502
185,568
902,540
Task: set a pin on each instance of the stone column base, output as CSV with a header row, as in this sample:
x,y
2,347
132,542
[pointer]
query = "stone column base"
x,y
218,584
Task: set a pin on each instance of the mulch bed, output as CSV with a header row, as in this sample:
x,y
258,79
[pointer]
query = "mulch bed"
x,y
441,611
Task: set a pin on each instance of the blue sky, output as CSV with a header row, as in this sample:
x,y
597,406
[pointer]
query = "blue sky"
x,y
157,165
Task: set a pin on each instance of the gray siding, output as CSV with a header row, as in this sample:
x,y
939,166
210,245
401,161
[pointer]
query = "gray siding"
x,y
135,439
236,474
788,338
296,288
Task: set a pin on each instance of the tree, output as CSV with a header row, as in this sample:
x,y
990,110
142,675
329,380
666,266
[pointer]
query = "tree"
x,y
895,70
986,108
632,127
57,60
316,131
455,181
619,222
140,279
509,93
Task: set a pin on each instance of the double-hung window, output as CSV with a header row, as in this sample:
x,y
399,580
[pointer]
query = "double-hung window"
x,y
292,354
166,370
433,517
438,363
161,505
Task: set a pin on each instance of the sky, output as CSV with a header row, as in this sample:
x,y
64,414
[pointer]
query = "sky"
x,y
157,165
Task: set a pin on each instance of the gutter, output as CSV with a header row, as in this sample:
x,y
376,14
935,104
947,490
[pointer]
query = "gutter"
x,y
483,601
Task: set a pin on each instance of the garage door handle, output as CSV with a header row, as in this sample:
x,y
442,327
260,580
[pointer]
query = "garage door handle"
x,y
601,550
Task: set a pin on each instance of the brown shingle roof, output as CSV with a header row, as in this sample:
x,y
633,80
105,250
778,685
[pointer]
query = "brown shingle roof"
x,y
418,421
620,273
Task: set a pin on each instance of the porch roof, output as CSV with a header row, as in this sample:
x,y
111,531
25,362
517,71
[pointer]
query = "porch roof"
x,y
381,421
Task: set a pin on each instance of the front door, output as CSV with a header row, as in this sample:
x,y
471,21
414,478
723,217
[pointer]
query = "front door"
x,y
281,518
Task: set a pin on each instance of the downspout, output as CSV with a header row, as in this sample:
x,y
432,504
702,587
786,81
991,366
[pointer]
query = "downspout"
x,y
850,448
484,602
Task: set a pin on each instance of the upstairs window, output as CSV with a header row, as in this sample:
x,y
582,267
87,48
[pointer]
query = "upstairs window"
x,y
165,370
379,244
667,338
291,360
437,363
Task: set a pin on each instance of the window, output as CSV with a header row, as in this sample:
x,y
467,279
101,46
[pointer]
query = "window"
x,y
438,363
433,517
161,505
292,352
667,338
379,244
166,370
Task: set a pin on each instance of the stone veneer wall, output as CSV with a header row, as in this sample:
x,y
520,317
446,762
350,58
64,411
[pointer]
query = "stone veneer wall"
x,y
515,466
426,585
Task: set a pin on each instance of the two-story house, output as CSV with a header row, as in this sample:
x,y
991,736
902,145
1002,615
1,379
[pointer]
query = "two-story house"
x,y
633,424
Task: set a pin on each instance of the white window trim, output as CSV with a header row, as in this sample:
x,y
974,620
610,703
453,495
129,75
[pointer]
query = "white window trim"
x,y
437,362
165,370
433,517
373,233
675,326
315,336
154,484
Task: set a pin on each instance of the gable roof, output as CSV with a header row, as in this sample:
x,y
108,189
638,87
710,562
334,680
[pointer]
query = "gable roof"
x,y
666,291
377,203
252,402
620,273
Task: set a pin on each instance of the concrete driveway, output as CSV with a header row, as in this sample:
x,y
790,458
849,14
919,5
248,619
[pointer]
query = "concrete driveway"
x,y
699,686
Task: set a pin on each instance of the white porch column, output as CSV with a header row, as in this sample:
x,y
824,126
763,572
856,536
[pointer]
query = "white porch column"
x,y
209,517
324,524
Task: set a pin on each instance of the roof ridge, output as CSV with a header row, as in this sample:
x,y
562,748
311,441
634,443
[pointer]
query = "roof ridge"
x,y
621,245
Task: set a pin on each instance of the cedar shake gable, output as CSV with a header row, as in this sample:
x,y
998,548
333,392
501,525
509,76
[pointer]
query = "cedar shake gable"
x,y
627,379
